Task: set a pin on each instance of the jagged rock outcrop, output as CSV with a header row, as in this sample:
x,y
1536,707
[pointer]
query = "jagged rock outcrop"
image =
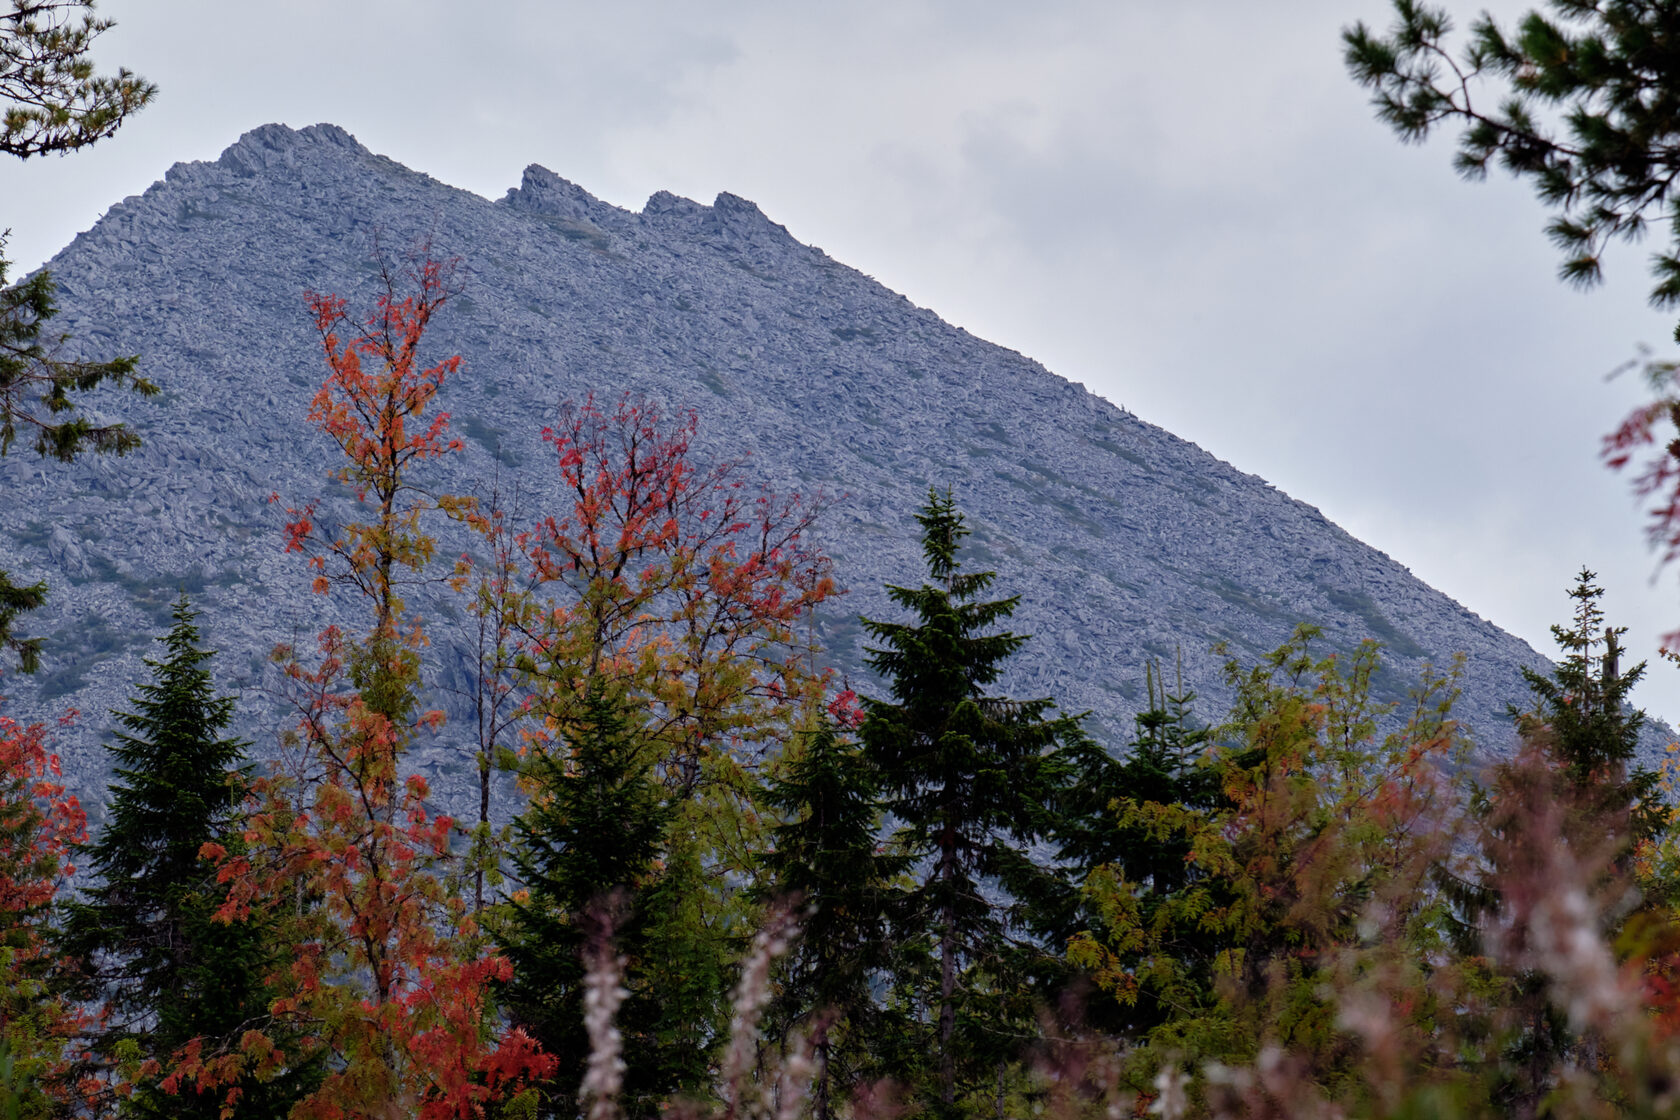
x,y
1124,542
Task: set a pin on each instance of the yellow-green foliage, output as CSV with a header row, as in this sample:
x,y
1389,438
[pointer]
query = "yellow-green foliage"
x,y
1319,824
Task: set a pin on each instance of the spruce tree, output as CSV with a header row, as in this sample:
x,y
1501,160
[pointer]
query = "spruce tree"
x,y
1581,720
680,972
824,853
1166,763
970,777
165,970
1581,716
1582,710
587,850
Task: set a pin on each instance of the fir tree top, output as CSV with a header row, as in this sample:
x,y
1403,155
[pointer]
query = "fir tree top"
x,y
942,654
1583,712
1585,700
176,775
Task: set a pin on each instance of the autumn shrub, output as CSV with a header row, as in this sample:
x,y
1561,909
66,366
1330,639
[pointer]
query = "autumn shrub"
x,y
40,825
1319,828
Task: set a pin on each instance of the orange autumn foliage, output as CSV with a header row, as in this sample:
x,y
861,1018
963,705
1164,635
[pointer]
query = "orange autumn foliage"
x,y
373,405
673,582
384,969
40,826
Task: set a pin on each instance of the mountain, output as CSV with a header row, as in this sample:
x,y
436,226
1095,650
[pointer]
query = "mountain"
x,y
1124,542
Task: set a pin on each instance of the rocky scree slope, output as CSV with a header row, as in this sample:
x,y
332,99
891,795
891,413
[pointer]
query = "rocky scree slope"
x,y
1124,542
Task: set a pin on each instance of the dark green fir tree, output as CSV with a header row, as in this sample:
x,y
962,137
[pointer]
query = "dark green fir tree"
x,y
825,853
592,848
1581,716
680,970
1581,721
971,778
1166,763
1581,710
152,952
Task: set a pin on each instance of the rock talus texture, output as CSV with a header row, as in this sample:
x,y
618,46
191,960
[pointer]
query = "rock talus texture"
x,y
1124,542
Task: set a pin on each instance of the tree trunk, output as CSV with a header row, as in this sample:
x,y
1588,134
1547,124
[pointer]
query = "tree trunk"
x,y
947,975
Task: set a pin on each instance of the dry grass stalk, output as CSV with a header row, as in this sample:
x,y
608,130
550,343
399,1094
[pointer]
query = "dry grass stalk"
x,y
603,992
793,1083
1172,1101
752,995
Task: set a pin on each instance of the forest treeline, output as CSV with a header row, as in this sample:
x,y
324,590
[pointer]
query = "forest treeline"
x,y
732,886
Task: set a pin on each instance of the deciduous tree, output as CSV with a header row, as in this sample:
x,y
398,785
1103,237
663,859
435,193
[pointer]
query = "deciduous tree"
x,y
673,591
388,969
673,582
40,826
498,600
1317,825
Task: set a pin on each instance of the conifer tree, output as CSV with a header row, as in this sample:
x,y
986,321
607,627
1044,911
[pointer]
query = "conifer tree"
x,y
1583,707
824,853
1580,102
166,971
1166,763
679,976
1582,721
17,600
969,776
1583,726
51,100
586,851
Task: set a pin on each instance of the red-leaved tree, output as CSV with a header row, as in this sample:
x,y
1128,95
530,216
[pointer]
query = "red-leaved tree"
x,y
1650,434
387,971
40,825
673,582
657,616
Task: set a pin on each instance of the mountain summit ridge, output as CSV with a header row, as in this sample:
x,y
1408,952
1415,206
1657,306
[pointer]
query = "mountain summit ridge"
x,y
1125,542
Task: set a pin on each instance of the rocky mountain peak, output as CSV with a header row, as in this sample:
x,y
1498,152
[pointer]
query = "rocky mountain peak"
x,y
1125,543
544,192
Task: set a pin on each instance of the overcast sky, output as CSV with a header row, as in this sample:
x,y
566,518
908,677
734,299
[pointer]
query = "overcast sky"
x,y
1185,205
